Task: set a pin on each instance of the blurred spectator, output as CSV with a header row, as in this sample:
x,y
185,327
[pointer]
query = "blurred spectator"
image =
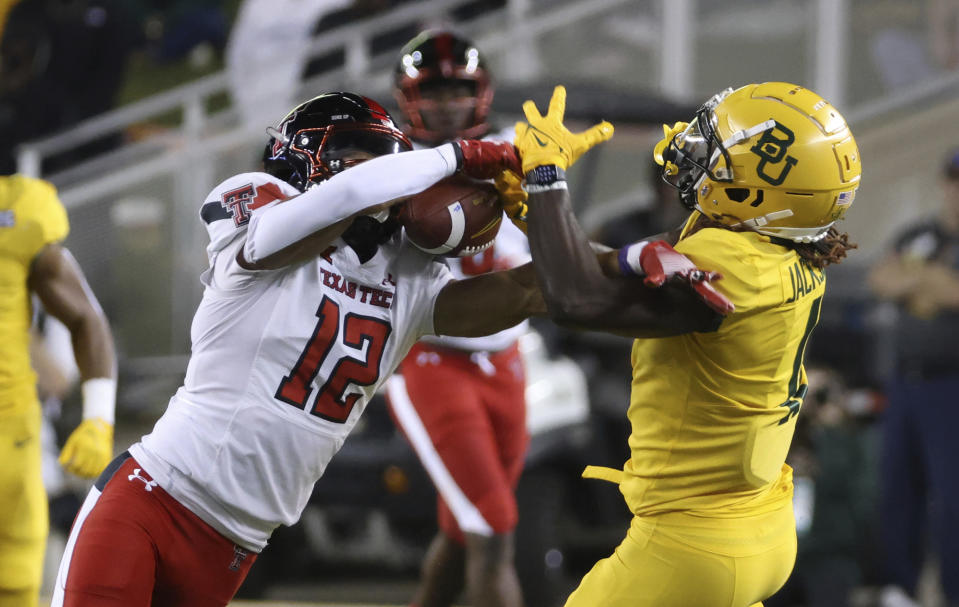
x,y
61,61
179,28
266,53
834,461
919,483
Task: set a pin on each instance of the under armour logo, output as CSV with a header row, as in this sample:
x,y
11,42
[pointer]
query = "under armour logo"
x,y
136,474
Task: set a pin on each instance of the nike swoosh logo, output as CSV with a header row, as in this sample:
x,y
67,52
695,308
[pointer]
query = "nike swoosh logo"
x,y
533,130
21,443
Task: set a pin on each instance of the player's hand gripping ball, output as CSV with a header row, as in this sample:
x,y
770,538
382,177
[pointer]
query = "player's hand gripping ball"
x,y
456,217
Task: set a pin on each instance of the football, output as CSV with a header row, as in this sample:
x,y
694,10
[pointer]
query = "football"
x,y
456,217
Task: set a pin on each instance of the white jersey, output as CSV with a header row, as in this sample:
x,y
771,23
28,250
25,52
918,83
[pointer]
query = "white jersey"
x,y
283,363
510,249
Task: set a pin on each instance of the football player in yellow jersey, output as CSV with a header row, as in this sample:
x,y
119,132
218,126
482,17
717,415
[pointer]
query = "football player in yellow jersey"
x,y
718,380
32,223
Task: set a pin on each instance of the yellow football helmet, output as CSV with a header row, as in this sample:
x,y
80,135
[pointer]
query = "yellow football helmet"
x,y
775,157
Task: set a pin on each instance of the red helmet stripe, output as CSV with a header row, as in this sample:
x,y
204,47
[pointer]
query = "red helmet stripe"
x,y
379,111
444,47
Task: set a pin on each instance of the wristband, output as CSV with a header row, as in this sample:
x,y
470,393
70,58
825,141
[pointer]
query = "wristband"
x,y
457,154
629,263
536,189
545,174
99,398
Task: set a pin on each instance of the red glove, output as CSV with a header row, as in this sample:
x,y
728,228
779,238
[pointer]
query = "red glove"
x,y
661,262
486,159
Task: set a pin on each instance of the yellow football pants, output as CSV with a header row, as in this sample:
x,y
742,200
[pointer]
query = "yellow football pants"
x,y
23,502
679,560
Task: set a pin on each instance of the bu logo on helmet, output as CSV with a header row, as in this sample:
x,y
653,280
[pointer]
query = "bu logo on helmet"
x,y
772,149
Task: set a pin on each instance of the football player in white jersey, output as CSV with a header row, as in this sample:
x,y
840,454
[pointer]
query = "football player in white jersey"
x,y
312,298
461,401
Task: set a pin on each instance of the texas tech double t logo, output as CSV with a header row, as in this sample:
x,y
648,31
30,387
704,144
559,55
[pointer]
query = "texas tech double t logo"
x,y
237,203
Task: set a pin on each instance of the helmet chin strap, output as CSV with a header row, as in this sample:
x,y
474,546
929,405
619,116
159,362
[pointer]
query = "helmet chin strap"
x,y
763,220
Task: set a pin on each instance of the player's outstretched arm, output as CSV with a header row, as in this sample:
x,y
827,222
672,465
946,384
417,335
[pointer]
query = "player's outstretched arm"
x,y
57,280
307,224
578,287
488,303
583,290
586,291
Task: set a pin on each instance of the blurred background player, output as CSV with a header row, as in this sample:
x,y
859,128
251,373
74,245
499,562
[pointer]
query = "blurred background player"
x,y
461,401
716,388
443,88
918,482
32,224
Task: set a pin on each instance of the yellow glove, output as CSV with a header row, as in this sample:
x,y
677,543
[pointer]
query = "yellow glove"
x,y
545,140
88,449
513,198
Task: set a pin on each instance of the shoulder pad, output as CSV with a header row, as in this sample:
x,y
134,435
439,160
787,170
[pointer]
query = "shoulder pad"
x,y
227,208
36,203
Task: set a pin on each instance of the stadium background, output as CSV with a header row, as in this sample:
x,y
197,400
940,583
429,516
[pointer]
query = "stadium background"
x,y
133,175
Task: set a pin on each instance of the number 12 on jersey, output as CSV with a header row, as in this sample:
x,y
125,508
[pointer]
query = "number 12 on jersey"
x,y
331,402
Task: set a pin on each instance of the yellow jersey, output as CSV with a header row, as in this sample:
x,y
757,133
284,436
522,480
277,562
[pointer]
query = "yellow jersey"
x,y
713,414
31,217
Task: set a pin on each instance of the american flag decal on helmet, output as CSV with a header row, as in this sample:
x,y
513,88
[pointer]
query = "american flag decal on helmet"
x,y
846,198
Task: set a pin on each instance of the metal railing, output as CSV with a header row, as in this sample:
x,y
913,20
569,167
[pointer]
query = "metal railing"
x,y
521,24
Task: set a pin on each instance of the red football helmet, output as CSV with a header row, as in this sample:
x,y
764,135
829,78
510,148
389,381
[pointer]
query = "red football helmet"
x,y
443,88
